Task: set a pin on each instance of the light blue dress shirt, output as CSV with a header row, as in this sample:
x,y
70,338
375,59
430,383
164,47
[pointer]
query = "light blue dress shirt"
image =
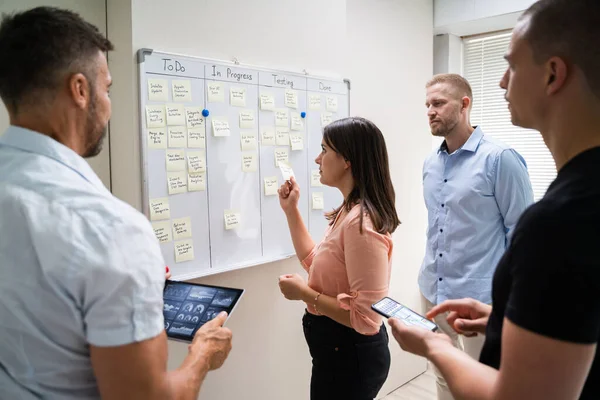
x,y
474,198
78,267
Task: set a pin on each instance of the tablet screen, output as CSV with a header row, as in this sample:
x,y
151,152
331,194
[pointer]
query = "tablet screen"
x,y
188,306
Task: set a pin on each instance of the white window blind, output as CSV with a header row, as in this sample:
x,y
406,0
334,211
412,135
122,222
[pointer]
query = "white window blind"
x,y
483,66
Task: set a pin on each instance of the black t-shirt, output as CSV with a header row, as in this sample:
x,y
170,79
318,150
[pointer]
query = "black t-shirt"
x,y
548,281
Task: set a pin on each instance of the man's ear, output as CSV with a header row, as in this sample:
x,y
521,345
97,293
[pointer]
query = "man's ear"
x,y
557,73
466,103
79,90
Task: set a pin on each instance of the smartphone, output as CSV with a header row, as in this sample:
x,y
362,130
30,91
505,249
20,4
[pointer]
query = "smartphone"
x,y
390,308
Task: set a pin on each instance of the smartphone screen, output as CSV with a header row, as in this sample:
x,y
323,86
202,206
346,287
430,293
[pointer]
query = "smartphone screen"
x,y
392,309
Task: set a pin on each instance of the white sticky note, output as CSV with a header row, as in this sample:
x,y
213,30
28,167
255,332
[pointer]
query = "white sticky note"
x,y
297,122
175,114
271,186
297,142
175,160
332,103
317,201
197,182
247,119
182,90
326,119
155,116
314,102
216,93
267,102
267,136
248,141
196,162
291,98
162,230
281,155
184,250
315,178
232,219
194,117
282,137
220,126
160,209
157,138
286,170
249,162
196,138
237,97
177,182
157,90
182,228
177,136
281,117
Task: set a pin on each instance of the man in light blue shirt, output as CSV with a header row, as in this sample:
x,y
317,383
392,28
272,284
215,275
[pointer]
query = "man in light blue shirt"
x,y
475,190
81,272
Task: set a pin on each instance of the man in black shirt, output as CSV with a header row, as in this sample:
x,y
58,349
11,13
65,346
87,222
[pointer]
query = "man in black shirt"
x,y
543,327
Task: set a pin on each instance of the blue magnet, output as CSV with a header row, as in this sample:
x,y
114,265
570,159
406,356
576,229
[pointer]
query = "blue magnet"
x,y
205,113
303,114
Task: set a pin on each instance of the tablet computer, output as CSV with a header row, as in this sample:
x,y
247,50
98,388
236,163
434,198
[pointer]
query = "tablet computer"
x,y
188,306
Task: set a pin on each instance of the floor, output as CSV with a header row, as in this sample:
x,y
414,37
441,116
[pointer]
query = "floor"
x,y
420,388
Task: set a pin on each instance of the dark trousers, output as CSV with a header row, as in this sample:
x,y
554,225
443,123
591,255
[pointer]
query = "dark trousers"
x,y
346,364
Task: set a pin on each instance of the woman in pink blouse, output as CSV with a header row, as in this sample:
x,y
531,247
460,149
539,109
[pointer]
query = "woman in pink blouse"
x,y
350,269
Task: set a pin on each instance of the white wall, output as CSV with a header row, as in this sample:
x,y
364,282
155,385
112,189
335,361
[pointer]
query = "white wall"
x,y
94,11
385,48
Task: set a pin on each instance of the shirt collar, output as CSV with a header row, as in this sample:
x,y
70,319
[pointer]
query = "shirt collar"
x,y
470,145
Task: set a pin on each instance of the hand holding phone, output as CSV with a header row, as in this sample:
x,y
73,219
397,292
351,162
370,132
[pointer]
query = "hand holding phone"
x,y
390,308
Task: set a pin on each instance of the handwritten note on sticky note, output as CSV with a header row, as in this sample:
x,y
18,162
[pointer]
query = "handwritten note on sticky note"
x,y
182,228
175,160
248,141
286,170
282,137
246,119
232,219
291,98
216,92
197,182
318,202
157,90
267,136
160,209
196,138
297,122
315,178
326,119
220,127
177,182
237,97
196,162
177,136
162,230
182,90
184,250
175,114
267,102
249,162
297,142
157,138
155,116
314,102
194,118
281,117
271,186
281,155
332,103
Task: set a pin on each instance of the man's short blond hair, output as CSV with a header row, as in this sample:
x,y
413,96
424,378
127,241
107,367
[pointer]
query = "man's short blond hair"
x,y
460,85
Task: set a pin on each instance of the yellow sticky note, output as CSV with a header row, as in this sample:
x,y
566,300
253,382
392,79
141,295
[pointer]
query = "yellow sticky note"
x,y
197,182
267,102
157,138
281,117
249,162
291,98
182,90
184,250
220,126
157,90
271,186
177,182
160,209
267,136
314,102
237,97
297,142
315,178
281,155
246,119
317,201
232,219
194,117
196,162
175,114
248,141
177,136
282,137
332,103
326,119
175,160
155,116
297,122
215,92
196,138
286,170
162,230
182,228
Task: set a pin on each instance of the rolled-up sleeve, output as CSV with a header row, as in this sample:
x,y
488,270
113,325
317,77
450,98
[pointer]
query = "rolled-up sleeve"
x,y
308,260
367,258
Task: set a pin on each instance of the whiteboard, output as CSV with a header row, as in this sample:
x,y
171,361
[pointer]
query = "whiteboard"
x,y
204,191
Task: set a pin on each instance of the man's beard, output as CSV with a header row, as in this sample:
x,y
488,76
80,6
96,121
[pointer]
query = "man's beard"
x,y
443,129
94,134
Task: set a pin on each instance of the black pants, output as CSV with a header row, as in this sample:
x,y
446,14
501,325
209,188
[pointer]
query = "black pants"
x,y
346,364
